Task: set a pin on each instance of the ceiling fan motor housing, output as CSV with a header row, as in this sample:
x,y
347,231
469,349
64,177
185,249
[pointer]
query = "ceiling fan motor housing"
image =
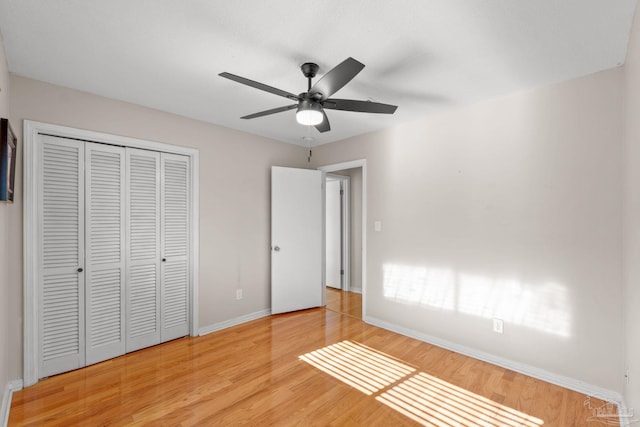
x,y
309,69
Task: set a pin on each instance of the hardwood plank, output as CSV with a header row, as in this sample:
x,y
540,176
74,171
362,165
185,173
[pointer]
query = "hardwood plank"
x,y
349,303
256,374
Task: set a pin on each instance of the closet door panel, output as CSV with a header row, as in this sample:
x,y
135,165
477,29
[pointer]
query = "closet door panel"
x,y
143,233
175,246
61,222
105,252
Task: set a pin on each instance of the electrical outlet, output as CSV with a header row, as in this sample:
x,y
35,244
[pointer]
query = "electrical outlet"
x,y
626,376
498,325
238,294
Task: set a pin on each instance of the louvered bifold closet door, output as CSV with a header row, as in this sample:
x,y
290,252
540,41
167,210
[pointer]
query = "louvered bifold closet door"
x,y
175,228
105,252
143,234
61,257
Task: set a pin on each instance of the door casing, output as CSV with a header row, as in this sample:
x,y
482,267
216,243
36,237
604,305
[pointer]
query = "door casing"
x,y
361,163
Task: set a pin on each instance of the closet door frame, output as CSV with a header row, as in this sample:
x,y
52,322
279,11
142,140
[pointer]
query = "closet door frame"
x,y
32,236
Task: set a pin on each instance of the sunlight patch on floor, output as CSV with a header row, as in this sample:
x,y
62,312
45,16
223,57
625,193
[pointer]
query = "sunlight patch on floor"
x,y
358,366
424,398
428,399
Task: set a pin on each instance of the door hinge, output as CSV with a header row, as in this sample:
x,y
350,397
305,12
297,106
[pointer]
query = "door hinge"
x,y
342,272
342,192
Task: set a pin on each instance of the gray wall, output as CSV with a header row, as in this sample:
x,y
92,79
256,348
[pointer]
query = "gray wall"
x,y
234,196
512,209
632,218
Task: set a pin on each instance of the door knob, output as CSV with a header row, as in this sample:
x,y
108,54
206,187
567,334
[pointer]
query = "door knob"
x,y
80,270
276,248
164,259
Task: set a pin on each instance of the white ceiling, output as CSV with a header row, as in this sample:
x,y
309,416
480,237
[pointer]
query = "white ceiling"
x,y
425,56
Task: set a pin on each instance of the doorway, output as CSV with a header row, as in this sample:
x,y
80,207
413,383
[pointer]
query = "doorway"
x,y
346,234
337,231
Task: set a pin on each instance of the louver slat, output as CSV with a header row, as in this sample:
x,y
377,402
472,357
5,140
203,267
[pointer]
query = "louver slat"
x,y
106,305
144,216
60,205
142,299
61,332
105,208
176,221
175,295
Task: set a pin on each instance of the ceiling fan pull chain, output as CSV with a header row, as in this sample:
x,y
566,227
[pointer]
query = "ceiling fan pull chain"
x,y
309,157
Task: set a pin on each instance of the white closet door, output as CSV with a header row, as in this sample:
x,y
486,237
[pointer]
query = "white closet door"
x,y
175,246
105,247
143,233
61,279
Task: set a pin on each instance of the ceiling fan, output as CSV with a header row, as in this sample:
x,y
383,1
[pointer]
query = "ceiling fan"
x,y
312,103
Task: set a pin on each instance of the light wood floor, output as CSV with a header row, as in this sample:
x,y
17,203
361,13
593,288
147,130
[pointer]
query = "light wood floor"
x,y
309,368
349,303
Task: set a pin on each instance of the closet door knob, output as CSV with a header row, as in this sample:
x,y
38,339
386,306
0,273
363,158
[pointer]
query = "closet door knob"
x,y
80,270
164,259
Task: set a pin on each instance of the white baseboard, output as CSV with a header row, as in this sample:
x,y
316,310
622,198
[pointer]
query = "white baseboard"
x,y
356,290
233,322
9,388
622,409
532,371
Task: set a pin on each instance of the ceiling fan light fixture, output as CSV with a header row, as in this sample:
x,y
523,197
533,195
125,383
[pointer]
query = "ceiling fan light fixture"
x,y
309,113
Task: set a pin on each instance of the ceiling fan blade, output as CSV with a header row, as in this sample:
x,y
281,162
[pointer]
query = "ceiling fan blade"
x,y
324,126
260,86
335,79
359,106
272,111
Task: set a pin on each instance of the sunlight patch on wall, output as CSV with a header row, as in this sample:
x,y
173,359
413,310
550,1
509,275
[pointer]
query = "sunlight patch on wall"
x,y
545,307
433,287
424,398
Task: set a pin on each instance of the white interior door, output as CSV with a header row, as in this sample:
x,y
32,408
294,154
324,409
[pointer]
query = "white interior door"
x,y
105,252
143,234
333,276
61,253
175,230
297,239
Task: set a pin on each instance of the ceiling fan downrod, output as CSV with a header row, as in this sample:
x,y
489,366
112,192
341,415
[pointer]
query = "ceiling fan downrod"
x,y
309,69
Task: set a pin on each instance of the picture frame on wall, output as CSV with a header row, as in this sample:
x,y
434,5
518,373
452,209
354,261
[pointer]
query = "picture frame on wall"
x,y
8,143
